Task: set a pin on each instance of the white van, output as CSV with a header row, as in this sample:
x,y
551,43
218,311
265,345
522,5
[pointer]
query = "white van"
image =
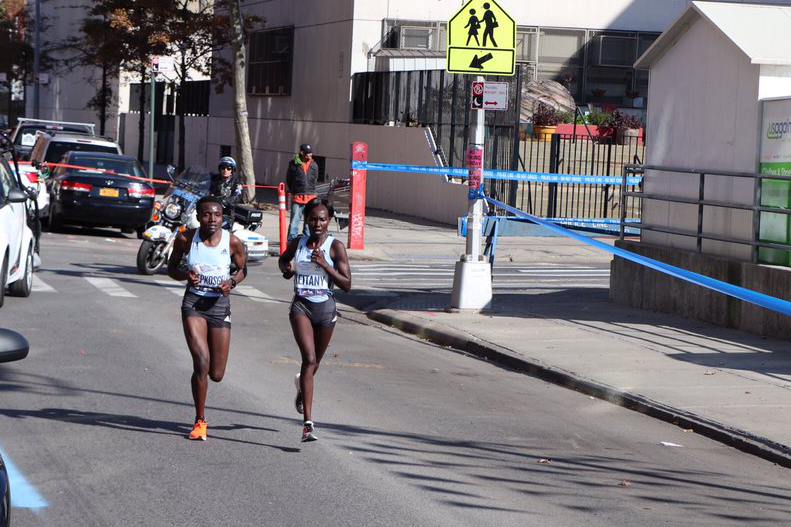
x,y
16,238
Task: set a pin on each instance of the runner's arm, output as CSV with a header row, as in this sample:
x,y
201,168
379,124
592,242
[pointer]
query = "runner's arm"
x,y
180,246
342,274
284,262
239,261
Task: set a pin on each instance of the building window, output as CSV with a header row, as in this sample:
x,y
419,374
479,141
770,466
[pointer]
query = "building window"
x,y
271,55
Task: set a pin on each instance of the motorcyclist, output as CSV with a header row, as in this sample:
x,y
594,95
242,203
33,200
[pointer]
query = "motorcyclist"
x,y
226,186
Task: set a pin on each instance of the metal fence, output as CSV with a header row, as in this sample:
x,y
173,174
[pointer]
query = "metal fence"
x,y
441,101
765,215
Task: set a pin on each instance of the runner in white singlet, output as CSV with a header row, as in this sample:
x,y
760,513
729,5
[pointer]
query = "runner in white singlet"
x,y
206,307
318,263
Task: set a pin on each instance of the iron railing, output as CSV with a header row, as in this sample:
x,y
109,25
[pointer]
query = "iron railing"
x,y
700,234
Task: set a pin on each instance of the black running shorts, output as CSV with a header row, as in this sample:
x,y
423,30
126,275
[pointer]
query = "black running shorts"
x,y
322,315
215,309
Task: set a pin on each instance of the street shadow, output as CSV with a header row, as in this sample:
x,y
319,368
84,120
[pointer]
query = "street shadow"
x,y
461,472
133,423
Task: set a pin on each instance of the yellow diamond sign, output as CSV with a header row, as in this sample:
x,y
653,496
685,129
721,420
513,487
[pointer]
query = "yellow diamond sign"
x,y
481,40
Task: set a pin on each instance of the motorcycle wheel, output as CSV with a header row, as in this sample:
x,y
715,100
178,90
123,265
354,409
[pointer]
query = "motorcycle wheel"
x,y
151,257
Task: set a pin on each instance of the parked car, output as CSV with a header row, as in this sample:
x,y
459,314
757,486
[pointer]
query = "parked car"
x,y
27,130
13,346
17,243
101,194
49,148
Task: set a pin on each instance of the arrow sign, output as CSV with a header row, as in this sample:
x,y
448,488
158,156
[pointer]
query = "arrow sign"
x,y
478,62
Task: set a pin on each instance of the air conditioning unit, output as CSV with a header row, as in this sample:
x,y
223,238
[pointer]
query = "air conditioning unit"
x,y
615,51
414,37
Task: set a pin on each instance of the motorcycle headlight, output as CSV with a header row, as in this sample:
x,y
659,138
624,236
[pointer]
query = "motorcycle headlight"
x,y
172,211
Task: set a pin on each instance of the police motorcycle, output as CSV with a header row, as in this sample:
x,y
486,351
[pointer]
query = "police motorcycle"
x,y
176,213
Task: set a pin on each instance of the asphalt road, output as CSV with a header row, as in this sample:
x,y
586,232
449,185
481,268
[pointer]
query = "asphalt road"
x,y
410,434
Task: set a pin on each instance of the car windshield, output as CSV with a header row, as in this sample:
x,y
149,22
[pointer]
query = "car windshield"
x,y
128,167
27,133
58,148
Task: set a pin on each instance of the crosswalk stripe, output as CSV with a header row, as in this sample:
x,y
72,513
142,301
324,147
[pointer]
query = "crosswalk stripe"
x,y
108,286
40,286
565,271
172,286
253,294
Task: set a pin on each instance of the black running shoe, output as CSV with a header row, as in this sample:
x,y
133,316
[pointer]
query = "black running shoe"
x,y
307,432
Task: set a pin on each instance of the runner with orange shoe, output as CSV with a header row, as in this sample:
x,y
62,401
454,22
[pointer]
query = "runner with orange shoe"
x,y
206,307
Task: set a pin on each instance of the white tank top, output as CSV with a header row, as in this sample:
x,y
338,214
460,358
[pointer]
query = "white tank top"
x,y
311,281
211,264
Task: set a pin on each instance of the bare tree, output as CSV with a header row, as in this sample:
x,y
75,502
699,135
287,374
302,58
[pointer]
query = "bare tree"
x,y
243,145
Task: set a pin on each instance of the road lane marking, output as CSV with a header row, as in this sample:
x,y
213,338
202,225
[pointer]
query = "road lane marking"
x,y
23,495
253,294
108,286
40,286
171,285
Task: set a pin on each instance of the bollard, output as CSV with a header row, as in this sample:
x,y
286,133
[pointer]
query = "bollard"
x,y
357,199
281,205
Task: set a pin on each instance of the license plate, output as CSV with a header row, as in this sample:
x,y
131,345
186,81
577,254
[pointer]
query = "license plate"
x,y
108,192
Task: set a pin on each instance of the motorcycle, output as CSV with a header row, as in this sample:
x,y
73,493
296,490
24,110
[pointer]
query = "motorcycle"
x,y
175,213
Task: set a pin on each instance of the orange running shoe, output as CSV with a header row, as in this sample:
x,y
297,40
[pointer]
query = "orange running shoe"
x,y
199,430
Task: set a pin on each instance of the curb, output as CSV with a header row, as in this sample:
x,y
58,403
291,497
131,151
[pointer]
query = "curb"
x,y
444,336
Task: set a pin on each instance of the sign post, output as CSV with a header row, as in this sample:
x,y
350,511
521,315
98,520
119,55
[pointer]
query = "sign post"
x,y
481,41
158,65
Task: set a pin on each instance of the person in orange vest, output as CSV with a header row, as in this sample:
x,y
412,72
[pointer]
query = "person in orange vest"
x,y
301,177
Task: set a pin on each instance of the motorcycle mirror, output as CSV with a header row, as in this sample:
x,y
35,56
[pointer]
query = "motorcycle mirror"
x,y
171,171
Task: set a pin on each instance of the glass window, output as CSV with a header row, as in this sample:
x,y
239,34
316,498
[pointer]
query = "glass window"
x,y
561,46
6,181
526,46
57,149
271,55
415,38
119,166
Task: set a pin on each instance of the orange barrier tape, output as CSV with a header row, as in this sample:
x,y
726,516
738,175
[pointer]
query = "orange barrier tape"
x,y
100,171
112,172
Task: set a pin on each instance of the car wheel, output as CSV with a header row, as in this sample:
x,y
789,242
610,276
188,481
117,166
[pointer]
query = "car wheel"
x,y
24,285
55,224
3,278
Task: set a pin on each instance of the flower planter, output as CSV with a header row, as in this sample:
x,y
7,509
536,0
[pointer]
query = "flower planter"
x,y
627,136
544,133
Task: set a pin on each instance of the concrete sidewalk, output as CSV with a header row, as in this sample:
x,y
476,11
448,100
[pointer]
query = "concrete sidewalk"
x,y
731,386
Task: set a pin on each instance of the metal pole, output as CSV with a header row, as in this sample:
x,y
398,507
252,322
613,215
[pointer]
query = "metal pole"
x,y
475,211
37,61
151,149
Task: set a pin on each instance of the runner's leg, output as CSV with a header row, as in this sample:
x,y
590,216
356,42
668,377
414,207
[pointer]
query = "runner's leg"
x,y
219,344
303,334
195,331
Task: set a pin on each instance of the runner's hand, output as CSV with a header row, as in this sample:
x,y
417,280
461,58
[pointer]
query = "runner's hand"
x,y
192,279
225,287
289,272
317,257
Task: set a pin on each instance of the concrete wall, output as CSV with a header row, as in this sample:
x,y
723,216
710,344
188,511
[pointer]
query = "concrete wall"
x,y
703,112
69,89
637,286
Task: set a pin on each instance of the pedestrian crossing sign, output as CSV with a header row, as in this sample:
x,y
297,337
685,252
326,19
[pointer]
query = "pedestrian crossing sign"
x,y
481,40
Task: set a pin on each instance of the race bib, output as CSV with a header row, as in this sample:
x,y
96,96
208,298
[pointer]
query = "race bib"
x,y
209,277
311,278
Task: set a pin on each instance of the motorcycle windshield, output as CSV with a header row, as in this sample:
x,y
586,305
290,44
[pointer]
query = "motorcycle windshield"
x,y
192,184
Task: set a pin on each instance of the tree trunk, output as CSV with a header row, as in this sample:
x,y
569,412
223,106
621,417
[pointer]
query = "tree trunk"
x,y
181,104
243,147
104,102
141,125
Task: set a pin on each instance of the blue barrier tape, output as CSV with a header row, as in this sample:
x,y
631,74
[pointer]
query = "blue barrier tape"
x,y
502,175
753,297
